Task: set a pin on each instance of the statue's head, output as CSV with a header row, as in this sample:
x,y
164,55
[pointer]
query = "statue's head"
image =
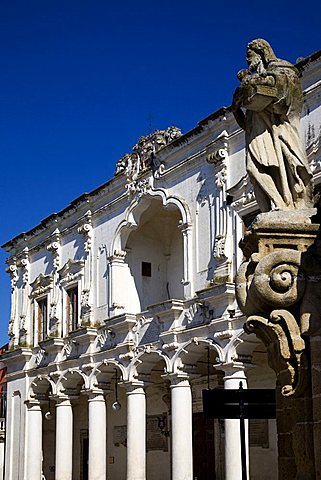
x,y
258,52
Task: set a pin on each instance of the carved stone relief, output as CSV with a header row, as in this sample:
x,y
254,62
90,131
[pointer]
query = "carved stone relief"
x,y
143,156
106,339
197,313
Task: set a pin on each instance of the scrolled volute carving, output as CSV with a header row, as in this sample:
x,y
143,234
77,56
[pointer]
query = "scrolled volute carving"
x,y
282,337
277,288
277,281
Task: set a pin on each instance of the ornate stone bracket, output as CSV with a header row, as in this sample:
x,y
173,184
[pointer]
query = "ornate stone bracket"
x,y
282,337
23,263
12,270
54,247
277,288
85,229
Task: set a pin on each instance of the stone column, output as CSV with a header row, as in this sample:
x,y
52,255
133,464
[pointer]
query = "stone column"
x,y
234,374
181,428
116,278
64,439
136,431
97,436
186,230
34,441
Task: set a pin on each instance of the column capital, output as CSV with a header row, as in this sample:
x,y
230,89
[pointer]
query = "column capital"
x,y
133,385
63,400
232,368
177,378
97,394
33,404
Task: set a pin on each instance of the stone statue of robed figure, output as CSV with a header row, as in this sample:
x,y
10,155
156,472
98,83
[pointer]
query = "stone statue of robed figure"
x,y
267,105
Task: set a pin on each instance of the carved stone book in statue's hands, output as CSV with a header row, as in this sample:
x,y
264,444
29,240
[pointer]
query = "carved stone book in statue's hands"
x,y
257,97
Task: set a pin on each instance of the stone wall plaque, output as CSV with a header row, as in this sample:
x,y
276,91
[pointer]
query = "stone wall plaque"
x,y
259,433
155,439
120,435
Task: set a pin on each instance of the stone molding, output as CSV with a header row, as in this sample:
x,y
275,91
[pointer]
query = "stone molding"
x,y
71,271
41,285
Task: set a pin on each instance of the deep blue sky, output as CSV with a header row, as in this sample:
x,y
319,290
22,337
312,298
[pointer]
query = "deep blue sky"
x,y
80,81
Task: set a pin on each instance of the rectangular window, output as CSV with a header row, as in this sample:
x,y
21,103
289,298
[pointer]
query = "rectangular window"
x,y
146,269
72,309
42,319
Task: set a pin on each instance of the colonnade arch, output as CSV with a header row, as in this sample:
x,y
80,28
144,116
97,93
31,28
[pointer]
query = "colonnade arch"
x,y
155,389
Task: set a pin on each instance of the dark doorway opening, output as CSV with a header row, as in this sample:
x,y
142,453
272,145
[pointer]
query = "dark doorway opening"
x,y
203,448
84,457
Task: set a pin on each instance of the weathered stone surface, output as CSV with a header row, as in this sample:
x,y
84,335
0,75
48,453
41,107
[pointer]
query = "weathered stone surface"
x,y
270,92
277,288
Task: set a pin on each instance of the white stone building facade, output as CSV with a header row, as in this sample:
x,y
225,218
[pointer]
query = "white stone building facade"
x,y
123,311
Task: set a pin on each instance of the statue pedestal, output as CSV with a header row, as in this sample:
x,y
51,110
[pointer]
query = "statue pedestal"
x,y
278,289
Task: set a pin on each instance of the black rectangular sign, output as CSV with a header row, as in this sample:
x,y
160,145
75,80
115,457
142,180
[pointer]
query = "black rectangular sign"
x,y
241,403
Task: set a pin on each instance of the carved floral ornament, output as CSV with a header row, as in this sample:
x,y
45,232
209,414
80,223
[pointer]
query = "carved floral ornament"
x,y
139,188
143,156
71,271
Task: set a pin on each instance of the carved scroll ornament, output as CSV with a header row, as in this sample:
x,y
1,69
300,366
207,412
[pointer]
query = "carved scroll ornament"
x,y
277,288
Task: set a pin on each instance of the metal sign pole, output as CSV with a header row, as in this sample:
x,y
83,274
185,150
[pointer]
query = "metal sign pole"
x,y
242,435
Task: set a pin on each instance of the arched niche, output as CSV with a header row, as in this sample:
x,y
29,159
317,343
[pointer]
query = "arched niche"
x,y
152,259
